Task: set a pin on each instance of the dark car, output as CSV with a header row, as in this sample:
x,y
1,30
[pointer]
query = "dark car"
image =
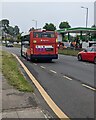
x,y
9,45
88,54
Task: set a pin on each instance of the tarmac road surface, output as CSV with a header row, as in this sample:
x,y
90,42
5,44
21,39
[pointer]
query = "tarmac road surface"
x,y
68,82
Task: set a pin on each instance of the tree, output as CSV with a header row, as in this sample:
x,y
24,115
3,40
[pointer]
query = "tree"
x,y
16,30
93,26
10,30
19,37
5,23
31,29
0,24
49,27
93,35
64,25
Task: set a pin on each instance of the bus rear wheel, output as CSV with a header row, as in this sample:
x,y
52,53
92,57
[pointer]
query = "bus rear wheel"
x,y
22,54
27,57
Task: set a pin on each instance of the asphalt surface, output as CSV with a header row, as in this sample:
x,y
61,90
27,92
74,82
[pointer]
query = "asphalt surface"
x,y
65,80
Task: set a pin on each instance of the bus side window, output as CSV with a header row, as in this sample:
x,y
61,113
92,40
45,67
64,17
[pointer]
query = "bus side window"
x,y
52,35
36,35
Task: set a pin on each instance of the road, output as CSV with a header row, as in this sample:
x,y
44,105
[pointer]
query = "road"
x,y
68,82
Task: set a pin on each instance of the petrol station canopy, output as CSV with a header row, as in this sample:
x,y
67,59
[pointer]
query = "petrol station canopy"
x,y
80,30
77,30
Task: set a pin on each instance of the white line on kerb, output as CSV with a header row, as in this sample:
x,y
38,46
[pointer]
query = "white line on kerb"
x,y
89,87
42,67
53,71
67,77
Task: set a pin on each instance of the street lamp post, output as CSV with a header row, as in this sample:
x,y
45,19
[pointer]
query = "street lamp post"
x,y
35,23
86,15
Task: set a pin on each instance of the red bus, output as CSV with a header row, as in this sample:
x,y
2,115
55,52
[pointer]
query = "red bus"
x,y
39,44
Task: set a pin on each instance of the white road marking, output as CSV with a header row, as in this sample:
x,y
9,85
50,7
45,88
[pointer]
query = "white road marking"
x,y
67,77
35,64
88,64
89,87
42,67
53,71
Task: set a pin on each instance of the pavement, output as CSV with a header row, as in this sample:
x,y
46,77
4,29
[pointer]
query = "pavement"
x,y
16,104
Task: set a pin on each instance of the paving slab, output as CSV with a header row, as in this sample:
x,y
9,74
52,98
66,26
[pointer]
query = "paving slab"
x,y
12,98
12,114
31,113
24,113
17,104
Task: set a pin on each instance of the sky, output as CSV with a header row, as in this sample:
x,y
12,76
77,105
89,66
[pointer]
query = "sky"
x,y
22,13
95,13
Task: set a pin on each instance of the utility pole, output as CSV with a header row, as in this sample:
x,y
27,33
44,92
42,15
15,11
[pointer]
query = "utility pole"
x,y
86,15
35,23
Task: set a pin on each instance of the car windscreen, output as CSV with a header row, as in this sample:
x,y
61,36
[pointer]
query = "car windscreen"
x,y
94,49
44,35
91,49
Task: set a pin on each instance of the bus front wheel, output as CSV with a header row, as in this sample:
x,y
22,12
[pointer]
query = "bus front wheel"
x,y
27,57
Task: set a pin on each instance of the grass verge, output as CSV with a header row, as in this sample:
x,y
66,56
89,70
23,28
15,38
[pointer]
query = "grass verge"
x,y
17,45
11,71
70,52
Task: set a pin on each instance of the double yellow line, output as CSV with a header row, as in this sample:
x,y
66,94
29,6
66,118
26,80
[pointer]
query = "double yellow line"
x,y
44,94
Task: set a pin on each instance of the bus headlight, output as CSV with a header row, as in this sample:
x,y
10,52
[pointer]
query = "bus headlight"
x,y
56,40
34,41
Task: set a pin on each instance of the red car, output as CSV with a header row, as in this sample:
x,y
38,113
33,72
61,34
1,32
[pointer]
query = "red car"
x,y
88,54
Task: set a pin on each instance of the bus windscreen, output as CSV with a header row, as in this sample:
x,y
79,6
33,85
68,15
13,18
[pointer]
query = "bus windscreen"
x,y
44,35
